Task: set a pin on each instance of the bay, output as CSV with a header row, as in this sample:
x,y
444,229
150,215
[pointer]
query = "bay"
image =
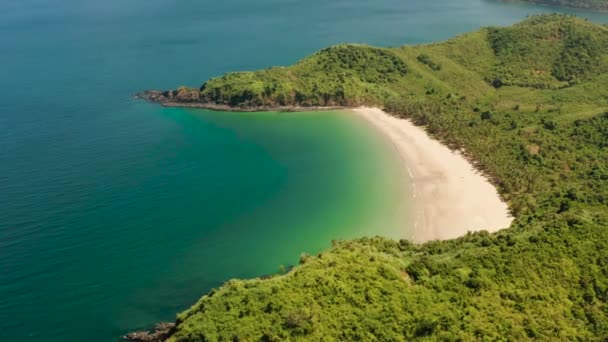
x,y
115,214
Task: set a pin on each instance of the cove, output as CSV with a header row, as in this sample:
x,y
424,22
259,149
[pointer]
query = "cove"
x,y
206,197
116,214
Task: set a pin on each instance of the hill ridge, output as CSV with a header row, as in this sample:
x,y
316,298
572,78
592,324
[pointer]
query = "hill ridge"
x,y
538,126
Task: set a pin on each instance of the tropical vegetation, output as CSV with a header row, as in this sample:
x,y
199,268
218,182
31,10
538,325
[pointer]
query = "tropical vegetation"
x,y
529,105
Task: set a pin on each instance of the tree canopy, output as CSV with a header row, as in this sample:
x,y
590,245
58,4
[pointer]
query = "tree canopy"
x,y
529,104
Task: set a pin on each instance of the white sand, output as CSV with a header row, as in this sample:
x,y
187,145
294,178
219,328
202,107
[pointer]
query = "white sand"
x,y
450,196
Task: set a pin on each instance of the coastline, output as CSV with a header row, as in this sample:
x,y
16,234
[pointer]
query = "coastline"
x,y
167,99
450,197
227,108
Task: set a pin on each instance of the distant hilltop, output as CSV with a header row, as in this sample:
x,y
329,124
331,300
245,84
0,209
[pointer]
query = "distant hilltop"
x,y
543,52
598,5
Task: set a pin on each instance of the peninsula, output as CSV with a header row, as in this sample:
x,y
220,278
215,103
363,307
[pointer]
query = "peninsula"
x,y
528,106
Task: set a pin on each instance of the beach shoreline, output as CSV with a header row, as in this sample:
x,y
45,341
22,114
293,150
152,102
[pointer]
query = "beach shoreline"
x,y
449,196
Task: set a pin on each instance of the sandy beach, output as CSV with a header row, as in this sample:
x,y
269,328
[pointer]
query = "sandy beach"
x,y
450,197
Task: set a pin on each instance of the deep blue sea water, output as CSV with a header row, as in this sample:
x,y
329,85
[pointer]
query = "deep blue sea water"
x,y
115,214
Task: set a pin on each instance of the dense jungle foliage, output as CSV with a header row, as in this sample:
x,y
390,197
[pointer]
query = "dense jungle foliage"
x,y
528,103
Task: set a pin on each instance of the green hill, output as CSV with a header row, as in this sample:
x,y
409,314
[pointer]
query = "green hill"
x,y
601,5
529,103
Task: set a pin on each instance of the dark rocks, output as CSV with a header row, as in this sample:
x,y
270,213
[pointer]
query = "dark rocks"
x,y
188,95
160,333
155,96
183,95
192,98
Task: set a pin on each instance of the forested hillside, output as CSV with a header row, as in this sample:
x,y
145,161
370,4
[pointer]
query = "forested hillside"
x,y
528,103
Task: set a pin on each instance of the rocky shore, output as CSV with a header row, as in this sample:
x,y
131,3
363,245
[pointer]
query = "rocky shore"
x,y
192,99
160,333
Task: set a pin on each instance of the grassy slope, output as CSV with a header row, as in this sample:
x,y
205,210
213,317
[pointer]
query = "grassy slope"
x,y
528,103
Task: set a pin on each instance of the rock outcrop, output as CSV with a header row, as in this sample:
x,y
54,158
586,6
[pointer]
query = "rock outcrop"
x,y
160,333
192,98
182,95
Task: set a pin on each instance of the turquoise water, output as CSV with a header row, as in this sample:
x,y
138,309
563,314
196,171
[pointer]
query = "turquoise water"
x,y
115,214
